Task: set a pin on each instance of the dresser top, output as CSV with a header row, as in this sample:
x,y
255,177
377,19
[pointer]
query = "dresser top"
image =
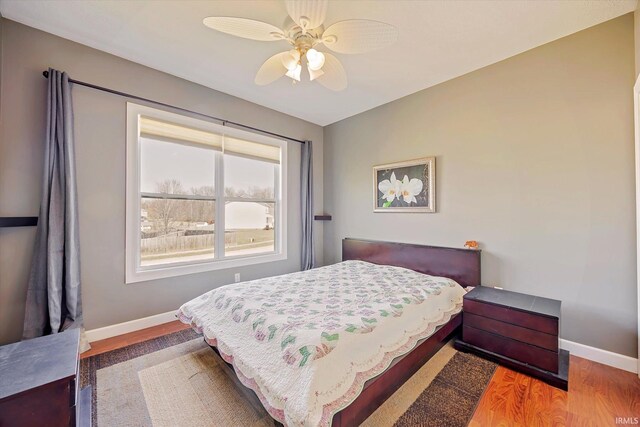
x,y
39,361
530,303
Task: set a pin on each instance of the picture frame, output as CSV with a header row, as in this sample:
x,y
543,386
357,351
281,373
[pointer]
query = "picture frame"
x,y
408,186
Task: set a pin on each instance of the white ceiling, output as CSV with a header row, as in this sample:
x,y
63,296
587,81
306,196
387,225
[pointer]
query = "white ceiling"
x,y
438,40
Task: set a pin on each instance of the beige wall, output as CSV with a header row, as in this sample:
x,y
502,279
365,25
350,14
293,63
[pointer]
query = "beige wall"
x,y
534,160
100,148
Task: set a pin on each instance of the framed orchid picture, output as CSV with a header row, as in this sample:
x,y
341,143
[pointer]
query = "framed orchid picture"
x,y
405,186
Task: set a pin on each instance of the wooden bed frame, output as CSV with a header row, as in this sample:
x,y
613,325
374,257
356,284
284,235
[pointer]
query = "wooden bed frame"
x,y
461,265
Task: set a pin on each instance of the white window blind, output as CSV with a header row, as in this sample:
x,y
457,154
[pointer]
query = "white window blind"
x,y
159,129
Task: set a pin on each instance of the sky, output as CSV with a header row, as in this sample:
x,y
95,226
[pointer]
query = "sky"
x,y
194,167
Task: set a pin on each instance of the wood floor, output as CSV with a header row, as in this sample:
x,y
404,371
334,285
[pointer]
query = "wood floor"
x,y
102,346
598,394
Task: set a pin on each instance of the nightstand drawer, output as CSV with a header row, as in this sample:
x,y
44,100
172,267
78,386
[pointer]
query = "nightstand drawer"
x,y
535,356
529,336
544,324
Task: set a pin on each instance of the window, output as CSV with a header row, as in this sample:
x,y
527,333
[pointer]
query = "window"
x,y
200,196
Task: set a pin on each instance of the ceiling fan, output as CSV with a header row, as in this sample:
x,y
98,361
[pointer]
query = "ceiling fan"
x,y
305,32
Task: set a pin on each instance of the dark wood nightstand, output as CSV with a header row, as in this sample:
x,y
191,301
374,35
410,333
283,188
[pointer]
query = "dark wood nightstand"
x,y
516,330
39,383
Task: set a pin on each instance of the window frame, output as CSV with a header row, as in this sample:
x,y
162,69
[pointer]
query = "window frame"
x,y
134,272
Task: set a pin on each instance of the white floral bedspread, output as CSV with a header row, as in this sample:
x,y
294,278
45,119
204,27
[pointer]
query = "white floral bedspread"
x,y
307,342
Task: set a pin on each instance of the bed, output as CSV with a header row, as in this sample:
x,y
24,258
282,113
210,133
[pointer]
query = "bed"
x,y
329,345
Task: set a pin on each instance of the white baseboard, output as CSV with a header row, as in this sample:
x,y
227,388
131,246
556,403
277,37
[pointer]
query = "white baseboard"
x,y
605,357
130,326
586,352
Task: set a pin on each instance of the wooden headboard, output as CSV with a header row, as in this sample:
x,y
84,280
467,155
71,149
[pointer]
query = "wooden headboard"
x,y
461,265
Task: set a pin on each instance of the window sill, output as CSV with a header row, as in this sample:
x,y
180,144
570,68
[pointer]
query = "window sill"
x,y
182,270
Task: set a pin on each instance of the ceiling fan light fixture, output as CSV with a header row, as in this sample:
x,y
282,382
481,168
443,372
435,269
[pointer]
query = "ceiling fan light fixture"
x,y
304,30
315,59
295,73
314,74
291,59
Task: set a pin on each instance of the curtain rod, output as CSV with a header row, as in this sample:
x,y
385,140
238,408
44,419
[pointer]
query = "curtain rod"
x,y
139,98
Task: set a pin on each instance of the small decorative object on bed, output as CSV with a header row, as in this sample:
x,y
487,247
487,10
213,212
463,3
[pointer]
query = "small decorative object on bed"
x,y
471,244
405,186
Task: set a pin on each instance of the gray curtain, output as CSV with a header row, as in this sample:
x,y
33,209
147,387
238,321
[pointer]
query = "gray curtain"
x,y
53,295
306,172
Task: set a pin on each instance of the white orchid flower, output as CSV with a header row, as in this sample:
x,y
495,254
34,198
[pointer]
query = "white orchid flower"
x,y
409,189
390,188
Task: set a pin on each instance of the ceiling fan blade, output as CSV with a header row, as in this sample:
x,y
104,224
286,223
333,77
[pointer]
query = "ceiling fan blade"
x,y
246,28
334,77
308,14
359,36
271,70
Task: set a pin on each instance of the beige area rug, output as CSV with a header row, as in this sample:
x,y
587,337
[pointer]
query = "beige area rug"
x,y
120,400
194,390
185,384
